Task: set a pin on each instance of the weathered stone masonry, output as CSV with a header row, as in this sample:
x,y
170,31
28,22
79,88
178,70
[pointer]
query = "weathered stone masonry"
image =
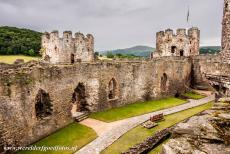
x,y
133,81
183,43
67,49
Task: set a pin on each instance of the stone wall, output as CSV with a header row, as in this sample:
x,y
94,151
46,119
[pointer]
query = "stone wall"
x,y
67,49
180,44
134,81
226,29
211,70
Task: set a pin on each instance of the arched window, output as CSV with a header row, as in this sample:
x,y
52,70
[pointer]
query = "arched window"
x,y
164,80
79,97
43,106
112,89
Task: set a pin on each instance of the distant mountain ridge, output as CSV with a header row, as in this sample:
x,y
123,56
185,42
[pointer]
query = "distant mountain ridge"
x,y
142,51
145,51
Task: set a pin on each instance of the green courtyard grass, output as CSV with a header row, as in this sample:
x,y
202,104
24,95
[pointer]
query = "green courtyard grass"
x,y
11,58
193,95
136,109
139,133
73,135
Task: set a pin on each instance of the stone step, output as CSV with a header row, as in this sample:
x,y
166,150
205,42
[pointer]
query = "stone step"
x,y
82,117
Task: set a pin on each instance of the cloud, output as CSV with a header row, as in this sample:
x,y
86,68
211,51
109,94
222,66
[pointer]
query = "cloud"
x,y
115,23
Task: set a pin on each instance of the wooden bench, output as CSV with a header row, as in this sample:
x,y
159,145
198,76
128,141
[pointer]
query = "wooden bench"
x,y
157,117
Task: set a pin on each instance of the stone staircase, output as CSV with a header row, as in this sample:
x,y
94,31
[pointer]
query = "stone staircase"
x,y
80,116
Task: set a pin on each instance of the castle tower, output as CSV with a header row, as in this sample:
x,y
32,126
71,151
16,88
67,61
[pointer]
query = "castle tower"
x,y
182,43
225,42
68,49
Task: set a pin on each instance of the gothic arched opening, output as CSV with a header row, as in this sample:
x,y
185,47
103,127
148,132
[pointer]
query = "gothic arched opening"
x,y
79,98
164,80
181,52
72,58
43,106
112,89
173,49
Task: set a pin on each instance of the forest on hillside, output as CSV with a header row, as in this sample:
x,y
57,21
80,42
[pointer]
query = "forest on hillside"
x,y
15,41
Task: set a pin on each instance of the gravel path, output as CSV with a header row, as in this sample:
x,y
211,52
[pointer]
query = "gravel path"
x,y
118,128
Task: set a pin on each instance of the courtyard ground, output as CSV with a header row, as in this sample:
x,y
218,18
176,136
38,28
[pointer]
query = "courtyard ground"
x,y
193,95
11,58
73,135
136,109
139,133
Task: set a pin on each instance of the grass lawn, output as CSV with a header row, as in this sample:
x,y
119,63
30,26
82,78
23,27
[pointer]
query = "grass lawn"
x,y
10,59
193,95
136,109
74,135
139,133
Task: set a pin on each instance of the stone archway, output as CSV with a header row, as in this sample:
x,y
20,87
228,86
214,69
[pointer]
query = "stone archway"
x,y
164,81
79,98
43,105
112,89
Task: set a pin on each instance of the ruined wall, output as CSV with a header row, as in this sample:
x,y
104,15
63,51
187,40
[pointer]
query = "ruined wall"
x,y
67,49
134,80
212,70
226,29
180,44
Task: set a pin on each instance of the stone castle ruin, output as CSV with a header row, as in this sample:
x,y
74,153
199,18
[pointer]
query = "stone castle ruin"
x,y
67,50
37,98
179,44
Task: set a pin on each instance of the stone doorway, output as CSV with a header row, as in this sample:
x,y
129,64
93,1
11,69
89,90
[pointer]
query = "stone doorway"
x,y
43,106
79,98
112,89
164,80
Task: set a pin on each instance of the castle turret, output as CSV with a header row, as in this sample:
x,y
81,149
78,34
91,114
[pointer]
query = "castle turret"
x,y
194,39
67,49
181,44
225,42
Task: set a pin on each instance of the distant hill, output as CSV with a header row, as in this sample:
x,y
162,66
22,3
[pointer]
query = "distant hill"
x,y
210,49
14,41
141,51
144,51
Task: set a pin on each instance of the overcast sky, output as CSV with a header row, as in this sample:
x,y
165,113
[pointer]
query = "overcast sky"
x,y
115,23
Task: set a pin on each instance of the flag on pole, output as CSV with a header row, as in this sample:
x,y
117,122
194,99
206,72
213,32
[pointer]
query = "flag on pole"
x,y
188,15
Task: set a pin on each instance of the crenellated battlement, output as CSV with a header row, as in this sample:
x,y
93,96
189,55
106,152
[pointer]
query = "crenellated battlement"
x,y
66,35
67,49
194,31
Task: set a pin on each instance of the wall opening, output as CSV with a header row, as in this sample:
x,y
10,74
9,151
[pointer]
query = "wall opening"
x,y
164,80
173,49
112,89
181,52
43,106
79,98
72,58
